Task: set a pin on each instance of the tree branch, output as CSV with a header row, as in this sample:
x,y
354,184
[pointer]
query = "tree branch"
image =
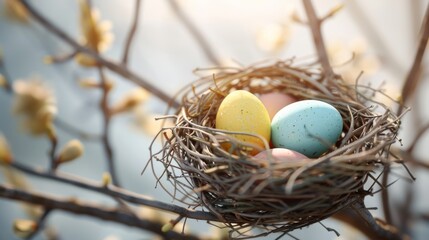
x,y
205,46
121,70
107,146
113,191
413,79
132,32
315,25
97,211
360,218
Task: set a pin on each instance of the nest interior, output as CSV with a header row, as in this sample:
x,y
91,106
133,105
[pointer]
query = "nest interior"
x,y
273,196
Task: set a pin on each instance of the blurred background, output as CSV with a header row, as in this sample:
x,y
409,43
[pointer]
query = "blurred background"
x,y
376,37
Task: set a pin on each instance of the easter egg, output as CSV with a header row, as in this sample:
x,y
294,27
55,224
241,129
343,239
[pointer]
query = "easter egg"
x,y
241,111
309,127
274,101
281,155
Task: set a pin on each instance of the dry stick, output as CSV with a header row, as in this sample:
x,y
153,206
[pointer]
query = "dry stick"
x,y
119,69
359,217
112,191
408,90
63,125
107,146
40,224
315,24
132,32
79,207
413,79
367,27
7,86
195,32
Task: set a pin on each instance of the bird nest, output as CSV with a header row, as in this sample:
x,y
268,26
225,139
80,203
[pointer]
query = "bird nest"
x,y
244,192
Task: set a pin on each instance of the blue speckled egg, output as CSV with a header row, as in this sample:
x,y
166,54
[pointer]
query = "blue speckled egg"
x,y
309,127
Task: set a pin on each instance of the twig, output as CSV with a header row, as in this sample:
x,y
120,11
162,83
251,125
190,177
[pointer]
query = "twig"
x,y
367,27
413,78
132,32
54,142
7,86
107,146
83,208
420,134
121,70
60,58
385,195
408,89
40,223
113,191
315,24
205,46
359,217
76,132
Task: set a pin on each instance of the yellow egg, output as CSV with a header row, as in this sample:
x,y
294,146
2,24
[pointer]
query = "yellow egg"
x,y
241,111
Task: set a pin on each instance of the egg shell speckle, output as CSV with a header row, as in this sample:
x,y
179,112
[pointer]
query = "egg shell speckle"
x,y
241,111
309,127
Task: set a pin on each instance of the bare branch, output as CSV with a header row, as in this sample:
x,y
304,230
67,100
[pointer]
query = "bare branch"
x,y
367,27
315,24
107,146
194,31
63,125
360,218
413,77
132,32
385,195
113,191
79,207
121,70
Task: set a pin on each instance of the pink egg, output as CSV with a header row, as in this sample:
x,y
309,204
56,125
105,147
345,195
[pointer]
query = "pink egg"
x,y
281,155
275,101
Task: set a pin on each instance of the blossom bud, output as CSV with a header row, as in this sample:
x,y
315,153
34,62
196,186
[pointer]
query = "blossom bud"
x,y
71,151
106,179
131,100
23,228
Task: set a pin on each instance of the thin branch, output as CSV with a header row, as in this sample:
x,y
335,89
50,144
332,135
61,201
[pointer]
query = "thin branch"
x,y
107,146
7,86
420,134
60,58
97,211
359,217
413,79
132,32
199,37
63,125
121,70
40,223
315,24
367,27
385,195
113,191
54,143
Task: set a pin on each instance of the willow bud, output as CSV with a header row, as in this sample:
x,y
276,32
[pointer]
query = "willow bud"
x,y
71,151
23,228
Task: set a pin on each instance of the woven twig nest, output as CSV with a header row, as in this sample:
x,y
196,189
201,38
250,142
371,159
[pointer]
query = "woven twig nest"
x,y
270,195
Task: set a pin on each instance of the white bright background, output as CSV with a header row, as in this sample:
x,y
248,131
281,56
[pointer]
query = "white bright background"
x,y
165,52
